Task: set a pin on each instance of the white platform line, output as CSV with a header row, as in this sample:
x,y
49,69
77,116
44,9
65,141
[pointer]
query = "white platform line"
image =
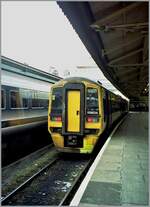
x,y
77,197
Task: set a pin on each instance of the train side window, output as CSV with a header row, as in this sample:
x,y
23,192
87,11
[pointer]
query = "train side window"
x,y
3,99
19,99
24,98
15,99
104,105
115,106
43,99
56,106
39,99
92,101
35,99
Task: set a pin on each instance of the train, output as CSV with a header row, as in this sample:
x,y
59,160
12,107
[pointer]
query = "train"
x,y
22,105
80,110
24,108
24,93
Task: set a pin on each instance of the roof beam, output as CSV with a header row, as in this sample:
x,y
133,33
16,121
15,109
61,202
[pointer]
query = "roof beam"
x,y
120,73
134,85
125,56
86,67
106,52
131,83
116,14
145,49
128,65
134,27
131,77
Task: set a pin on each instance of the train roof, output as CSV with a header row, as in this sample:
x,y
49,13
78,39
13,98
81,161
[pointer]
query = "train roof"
x,y
89,80
13,66
82,79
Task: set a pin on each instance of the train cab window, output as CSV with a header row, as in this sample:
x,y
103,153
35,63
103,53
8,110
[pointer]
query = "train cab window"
x,y
19,99
92,101
3,99
56,106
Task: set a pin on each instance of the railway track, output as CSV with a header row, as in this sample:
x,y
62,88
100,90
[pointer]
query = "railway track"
x,y
36,153
54,184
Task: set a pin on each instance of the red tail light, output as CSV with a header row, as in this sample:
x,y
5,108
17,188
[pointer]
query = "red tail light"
x,y
92,119
58,118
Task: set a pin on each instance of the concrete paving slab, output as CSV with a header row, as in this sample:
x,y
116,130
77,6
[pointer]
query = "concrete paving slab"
x,y
107,176
105,193
121,176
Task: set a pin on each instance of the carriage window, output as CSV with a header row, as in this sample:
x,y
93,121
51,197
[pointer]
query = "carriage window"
x,y
105,109
15,99
115,106
92,101
56,106
43,99
24,98
39,99
19,99
35,100
2,99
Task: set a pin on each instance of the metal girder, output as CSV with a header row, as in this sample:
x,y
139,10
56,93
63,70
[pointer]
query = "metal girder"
x,y
129,65
123,27
137,25
106,52
131,77
116,14
145,49
86,67
134,84
131,82
81,17
130,70
124,72
126,55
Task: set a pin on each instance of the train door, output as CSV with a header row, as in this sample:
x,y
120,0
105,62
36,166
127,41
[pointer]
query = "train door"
x,y
73,110
73,115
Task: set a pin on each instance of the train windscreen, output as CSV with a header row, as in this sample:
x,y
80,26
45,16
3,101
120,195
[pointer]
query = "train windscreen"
x,y
92,101
56,106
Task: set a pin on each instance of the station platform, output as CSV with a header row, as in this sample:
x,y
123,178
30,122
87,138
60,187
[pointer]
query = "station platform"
x,y
120,176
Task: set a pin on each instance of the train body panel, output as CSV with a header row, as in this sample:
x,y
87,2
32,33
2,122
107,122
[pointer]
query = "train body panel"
x,y
24,91
79,112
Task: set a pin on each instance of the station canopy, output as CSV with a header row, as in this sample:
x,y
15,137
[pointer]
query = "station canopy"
x,y
116,36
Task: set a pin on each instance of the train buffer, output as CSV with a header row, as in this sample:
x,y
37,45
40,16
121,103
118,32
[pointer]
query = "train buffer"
x,y
119,175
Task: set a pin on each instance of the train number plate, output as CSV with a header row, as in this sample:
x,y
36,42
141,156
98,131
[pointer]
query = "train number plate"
x,y
73,141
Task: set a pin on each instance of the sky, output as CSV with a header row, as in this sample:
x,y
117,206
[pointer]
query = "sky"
x,y
39,34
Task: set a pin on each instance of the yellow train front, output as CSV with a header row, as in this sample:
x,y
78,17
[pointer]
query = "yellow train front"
x,y
79,111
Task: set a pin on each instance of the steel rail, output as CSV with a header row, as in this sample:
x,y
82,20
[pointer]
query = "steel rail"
x,y
29,155
14,192
69,195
